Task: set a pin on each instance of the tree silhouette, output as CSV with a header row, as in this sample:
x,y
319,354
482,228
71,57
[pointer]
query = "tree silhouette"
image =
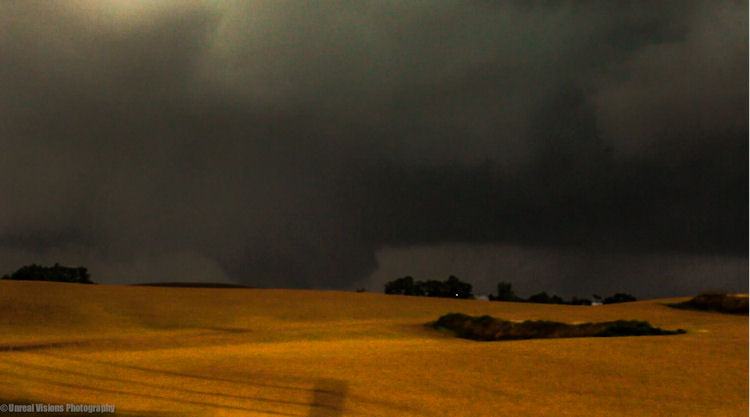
x,y
504,292
57,272
451,288
619,298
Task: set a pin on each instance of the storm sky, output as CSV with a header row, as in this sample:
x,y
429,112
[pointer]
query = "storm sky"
x,y
566,146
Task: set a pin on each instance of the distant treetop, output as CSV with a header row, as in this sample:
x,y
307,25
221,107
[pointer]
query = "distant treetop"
x,y
57,273
450,288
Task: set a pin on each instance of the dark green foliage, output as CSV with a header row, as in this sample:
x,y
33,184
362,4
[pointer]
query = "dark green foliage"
x,y
716,301
504,292
451,288
619,298
557,300
433,288
403,286
55,273
458,289
541,297
545,298
487,328
634,328
575,301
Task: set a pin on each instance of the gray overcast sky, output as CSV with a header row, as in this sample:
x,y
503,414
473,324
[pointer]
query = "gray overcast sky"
x,y
331,144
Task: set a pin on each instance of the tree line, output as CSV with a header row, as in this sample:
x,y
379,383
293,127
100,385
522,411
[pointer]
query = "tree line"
x,y
455,288
57,273
505,293
450,288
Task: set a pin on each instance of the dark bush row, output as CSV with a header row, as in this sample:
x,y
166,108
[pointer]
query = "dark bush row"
x,y
505,293
488,328
54,273
717,301
451,288
454,288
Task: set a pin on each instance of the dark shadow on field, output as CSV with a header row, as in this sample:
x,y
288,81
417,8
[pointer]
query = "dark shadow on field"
x,y
175,373
140,395
34,346
328,398
151,385
214,334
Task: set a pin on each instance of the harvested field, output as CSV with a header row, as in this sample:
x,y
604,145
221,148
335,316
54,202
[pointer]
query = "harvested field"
x,y
159,351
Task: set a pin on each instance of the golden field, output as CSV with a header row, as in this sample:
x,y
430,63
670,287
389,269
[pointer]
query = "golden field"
x,y
244,352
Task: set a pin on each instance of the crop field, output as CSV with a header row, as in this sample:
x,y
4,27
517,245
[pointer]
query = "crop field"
x,y
156,351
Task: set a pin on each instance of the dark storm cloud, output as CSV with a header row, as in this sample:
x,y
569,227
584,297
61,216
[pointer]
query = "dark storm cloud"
x,y
283,143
